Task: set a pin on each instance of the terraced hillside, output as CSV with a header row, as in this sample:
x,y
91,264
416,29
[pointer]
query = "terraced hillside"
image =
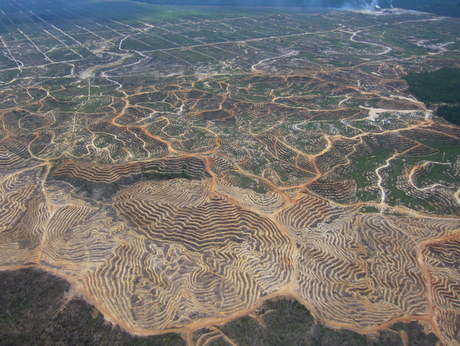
x,y
182,166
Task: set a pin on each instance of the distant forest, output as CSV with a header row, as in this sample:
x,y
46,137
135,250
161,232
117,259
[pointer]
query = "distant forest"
x,y
441,7
441,88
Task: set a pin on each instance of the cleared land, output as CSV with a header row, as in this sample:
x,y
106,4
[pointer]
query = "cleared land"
x,y
180,167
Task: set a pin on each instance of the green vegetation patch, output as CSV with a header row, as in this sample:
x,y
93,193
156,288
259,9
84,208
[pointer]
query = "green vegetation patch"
x,y
440,88
33,313
450,113
442,85
290,323
397,197
416,334
369,209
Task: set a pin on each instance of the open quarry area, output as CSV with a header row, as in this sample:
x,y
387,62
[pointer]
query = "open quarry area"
x,y
181,167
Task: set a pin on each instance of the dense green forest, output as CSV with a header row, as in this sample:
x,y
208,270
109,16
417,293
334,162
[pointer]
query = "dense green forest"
x,y
449,8
450,113
442,85
438,88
